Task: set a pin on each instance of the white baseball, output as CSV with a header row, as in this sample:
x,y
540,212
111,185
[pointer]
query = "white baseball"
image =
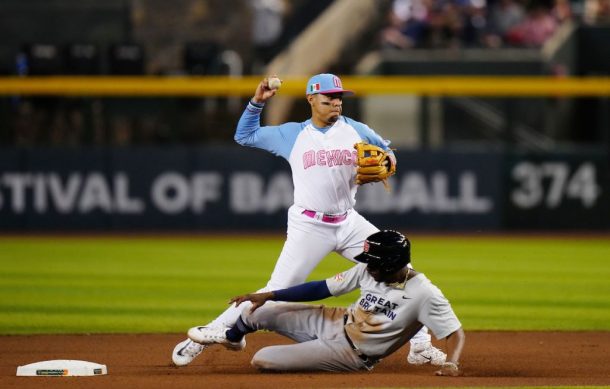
x,y
274,83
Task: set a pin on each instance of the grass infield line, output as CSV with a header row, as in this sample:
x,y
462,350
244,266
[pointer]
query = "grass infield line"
x,y
145,284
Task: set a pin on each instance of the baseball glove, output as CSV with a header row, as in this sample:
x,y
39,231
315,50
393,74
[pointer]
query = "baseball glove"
x,y
374,164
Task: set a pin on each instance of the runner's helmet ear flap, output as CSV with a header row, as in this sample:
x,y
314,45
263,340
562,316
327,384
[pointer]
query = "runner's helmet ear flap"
x,y
387,251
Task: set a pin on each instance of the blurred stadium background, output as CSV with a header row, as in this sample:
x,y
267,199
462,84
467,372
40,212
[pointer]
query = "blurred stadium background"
x,y
118,115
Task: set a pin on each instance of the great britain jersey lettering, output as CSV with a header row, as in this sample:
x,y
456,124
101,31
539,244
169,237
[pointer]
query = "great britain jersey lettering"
x,y
379,305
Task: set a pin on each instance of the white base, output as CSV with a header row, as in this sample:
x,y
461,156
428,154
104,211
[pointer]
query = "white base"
x,y
62,368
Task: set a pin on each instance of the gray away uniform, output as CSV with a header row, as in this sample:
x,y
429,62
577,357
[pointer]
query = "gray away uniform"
x,y
383,319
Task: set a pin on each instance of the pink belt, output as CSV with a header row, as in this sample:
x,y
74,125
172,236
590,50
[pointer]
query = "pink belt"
x,y
326,218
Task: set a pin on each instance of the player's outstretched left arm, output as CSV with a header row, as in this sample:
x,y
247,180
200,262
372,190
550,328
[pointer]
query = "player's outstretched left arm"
x,y
257,299
309,291
455,344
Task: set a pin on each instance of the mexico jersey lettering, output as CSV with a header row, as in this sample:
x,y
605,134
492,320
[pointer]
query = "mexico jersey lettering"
x,y
329,158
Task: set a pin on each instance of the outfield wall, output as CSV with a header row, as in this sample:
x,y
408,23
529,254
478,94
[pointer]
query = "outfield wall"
x,y
237,188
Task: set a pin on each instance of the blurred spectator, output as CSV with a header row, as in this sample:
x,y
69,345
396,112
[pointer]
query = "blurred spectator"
x,y
537,27
267,28
562,11
503,15
475,22
393,36
122,131
434,24
597,12
468,23
67,125
26,124
414,24
406,25
445,25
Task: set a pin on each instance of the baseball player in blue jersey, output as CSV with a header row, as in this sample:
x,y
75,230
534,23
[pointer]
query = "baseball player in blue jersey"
x,y
322,219
395,301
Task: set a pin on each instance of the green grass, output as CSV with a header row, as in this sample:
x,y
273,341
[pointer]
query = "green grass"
x,y
91,285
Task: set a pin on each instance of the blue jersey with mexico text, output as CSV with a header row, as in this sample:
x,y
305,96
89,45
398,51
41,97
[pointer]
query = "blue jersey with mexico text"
x,y
322,160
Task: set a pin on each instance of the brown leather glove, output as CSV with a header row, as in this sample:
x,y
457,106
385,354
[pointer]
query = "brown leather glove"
x,y
374,164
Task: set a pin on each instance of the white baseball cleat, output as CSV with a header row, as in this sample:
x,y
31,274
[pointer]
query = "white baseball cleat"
x,y
422,353
215,335
186,351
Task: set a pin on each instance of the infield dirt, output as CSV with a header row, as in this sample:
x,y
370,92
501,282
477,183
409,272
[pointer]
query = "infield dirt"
x,y
143,361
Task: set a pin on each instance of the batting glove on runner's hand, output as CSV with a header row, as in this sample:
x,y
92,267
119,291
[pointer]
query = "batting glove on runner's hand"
x,y
374,164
